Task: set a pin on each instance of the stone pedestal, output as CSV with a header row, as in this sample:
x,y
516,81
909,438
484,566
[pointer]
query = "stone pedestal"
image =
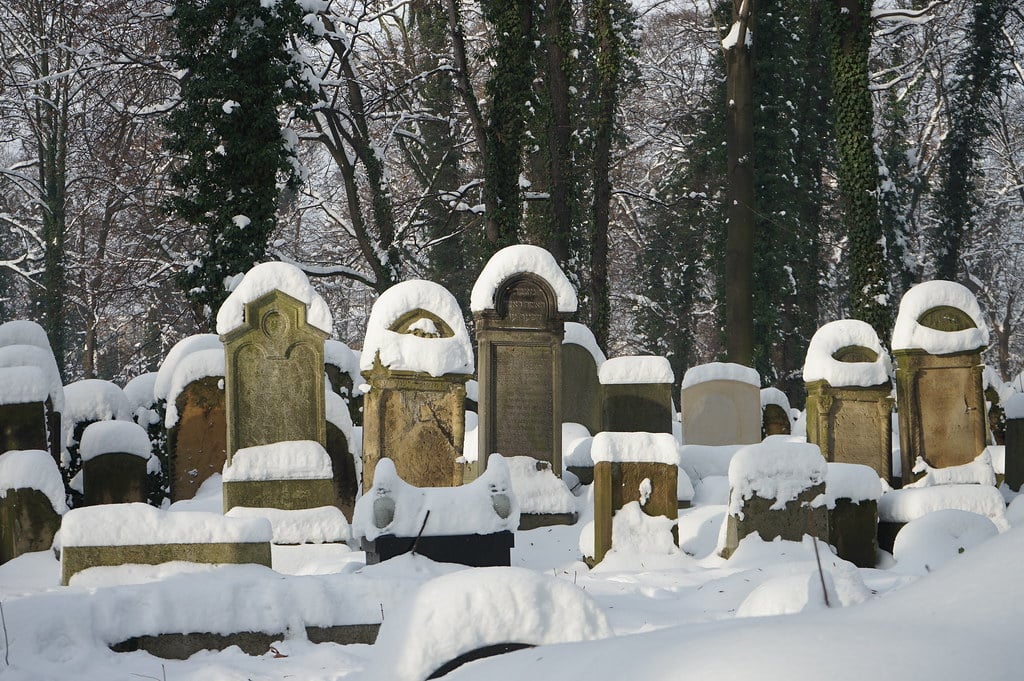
x,y
28,523
790,523
197,445
637,407
852,424
618,483
115,478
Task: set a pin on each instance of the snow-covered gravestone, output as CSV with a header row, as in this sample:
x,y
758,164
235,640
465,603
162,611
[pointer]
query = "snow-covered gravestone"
x,y
777,489
146,412
87,402
721,405
775,413
31,390
937,341
520,302
196,421
581,390
31,502
636,394
114,457
852,492
628,467
849,403
273,326
345,464
417,357
342,366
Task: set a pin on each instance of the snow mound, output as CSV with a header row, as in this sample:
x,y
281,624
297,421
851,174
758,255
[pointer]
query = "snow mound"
x,y
536,487
106,437
94,400
192,367
908,334
24,332
720,371
821,365
777,397
577,452
181,349
905,505
703,461
580,334
851,481
978,472
302,526
521,259
1013,406
337,414
777,468
471,609
140,391
32,469
141,524
342,356
927,543
267,277
636,369
290,460
33,356
436,354
394,507
711,491
635,447
801,592
21,385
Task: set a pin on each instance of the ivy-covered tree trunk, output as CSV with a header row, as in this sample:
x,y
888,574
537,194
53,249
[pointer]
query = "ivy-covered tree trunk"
x,y
978,74
233,152
739,248
848,33
558,39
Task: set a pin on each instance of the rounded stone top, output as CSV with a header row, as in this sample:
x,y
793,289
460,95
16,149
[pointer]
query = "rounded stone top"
x,y
34,356
847,352
109,437
521,259
181,349
192,367
581,335
417,326
636,369
941,318
273,276
23,332
720,371
139,390
94,399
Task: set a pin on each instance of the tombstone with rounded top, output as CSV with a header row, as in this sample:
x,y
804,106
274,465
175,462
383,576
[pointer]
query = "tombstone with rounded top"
x,y
114,462
32,502
937,341
636,394
721,404
581,390
520,302
31,391
849,403
775,413
196,421
87,402
417,357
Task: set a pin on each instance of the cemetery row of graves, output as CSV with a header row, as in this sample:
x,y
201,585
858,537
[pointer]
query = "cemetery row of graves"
x,y
423,442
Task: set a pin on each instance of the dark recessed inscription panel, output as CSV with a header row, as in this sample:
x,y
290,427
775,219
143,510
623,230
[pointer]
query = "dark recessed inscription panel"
x,y
524,425
526,306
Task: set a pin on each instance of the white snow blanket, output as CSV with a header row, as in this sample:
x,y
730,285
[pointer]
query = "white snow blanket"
x,y
106,437
33,356
908,334
820,365
192,367
635,447
32,469
778,469
636,369
289,460
581,335
181,349
720,371
521,259
267,277
141,524
300,526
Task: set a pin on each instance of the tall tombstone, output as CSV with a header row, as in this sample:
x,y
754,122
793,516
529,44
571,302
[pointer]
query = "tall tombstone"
x,y
417,357
721,405
581,390
196,422
937,341
31,502
849,402
636,394
34,380
1013,462
519,303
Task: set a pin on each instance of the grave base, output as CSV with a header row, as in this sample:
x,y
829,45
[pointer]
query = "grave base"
x,y
288,495
473,550
183,646
531,521
74,559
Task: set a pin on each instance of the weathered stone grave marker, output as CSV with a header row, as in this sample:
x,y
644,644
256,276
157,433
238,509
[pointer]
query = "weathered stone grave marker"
x,y
31,502
849,403
196,421
852,492
937,341
721,405
31,392
636,394
1013,462
417,357
87,402
520,302
114,462
581,390
775,413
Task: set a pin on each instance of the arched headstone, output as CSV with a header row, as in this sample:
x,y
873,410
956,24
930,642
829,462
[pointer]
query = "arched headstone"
x,y
581,389
721,405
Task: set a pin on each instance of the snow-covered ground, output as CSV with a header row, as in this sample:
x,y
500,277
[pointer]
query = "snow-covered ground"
x,y
759,615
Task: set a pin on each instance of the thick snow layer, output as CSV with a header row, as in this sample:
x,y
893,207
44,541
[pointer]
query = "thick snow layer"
x,y
576,452
183,348
32,469
926,544
473,390
521,259
581,335
302,526
139,391
720,371
345,358
997,455
711,491
777,468
977,472
32,356
702,461
94,400
141,524
909,335
1013,406
484,506
820,365
851,481
536,488
267,277
291,460
777,397
106,437
337,414
24,332
472,609
803,591
407,351
684,486
192,367
635,369
904,505
21,385
635,447
635,532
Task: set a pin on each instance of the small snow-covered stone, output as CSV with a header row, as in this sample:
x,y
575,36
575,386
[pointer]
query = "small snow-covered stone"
x,y
183,348
33,469
21,385
273,276
581,335
821,365
777,468
42,359
904,505
106,437
192,367
908,334
139,391
94,400
927,543
536,487
521,259
141,524
635,447
24,332
851,481
291,460
635,369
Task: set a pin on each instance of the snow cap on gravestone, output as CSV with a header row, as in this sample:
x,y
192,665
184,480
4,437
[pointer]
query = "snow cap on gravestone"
x,y
910,334
821,363
521,259
267,277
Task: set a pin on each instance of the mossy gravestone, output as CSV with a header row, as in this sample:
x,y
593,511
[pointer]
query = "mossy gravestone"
x,y
581,389
31,502
636,394
721,405
25,409
519,305
937,343
849,403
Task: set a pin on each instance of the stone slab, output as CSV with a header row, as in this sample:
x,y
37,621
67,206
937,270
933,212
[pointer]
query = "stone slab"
x,y
197,445
289,495
115,478
637,407
790,523
27,523
722,412
853,530
74,559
